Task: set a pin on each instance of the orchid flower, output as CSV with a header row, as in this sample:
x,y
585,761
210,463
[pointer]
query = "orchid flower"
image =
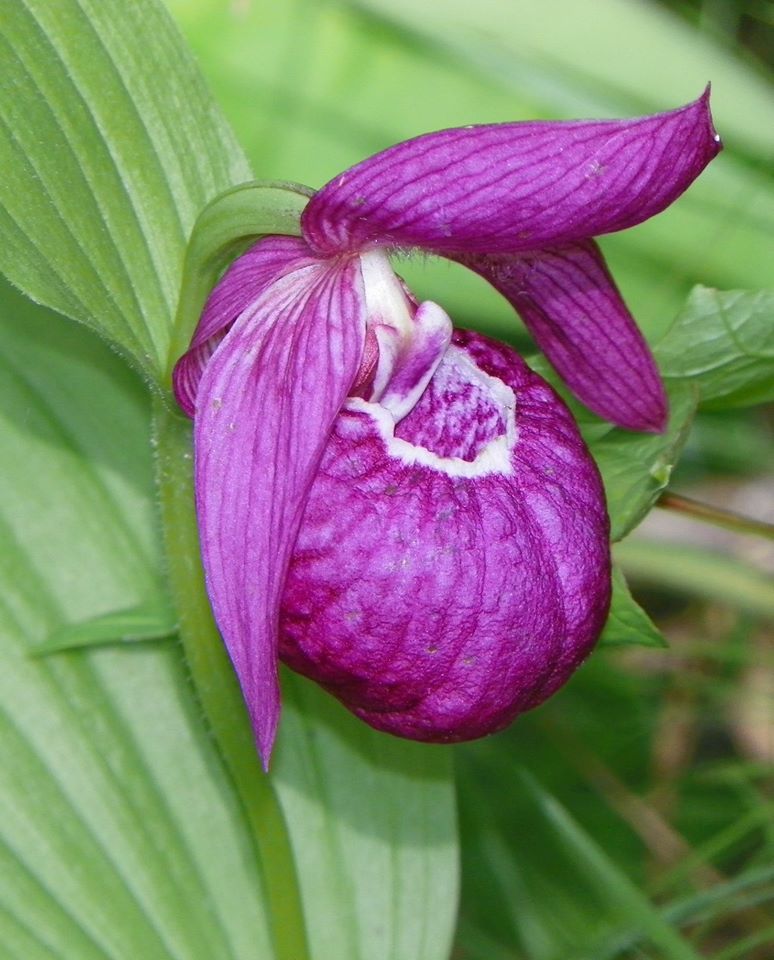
x,y
404,512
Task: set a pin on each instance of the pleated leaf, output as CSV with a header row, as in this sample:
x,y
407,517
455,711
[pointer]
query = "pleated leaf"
x,y
628,623
373,829
110,146
636,467
121,835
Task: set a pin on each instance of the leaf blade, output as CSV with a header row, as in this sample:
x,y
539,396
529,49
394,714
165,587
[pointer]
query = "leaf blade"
x,y
723,341
102,186
628,623
132,625
106,762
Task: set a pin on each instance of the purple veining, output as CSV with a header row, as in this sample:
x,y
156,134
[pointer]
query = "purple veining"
x,y
511,564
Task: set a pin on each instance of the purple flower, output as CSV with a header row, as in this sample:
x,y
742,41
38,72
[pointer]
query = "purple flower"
x,y
404,513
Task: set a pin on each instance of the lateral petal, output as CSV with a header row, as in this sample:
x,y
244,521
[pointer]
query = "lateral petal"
x,y
505,188
267,401
242,284
572,307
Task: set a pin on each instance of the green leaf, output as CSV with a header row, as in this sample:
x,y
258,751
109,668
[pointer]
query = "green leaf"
x,y
108,762
724,342
373,829
120,837
110,145
628,624
636,467
121,626
695,570
603,874
538,882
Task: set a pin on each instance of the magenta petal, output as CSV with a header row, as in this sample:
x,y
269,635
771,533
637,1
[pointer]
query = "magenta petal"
x,y
572,308
267,400
515,186
451,573
242,284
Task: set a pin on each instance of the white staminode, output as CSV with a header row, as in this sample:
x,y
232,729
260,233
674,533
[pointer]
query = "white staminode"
x,y
386,300
494,457
411,340
389,314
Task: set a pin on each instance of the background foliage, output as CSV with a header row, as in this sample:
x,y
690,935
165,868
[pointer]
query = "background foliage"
x,y
628,817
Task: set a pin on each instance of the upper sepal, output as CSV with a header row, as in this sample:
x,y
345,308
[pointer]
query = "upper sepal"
x,y
265,406
506,188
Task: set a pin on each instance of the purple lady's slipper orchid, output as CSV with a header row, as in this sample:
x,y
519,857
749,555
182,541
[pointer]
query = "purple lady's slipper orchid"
x,y
404,513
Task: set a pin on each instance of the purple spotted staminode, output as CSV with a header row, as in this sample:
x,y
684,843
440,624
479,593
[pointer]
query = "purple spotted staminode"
x,y
403,512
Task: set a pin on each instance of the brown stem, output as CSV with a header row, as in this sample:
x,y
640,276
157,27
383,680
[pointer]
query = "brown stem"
x,y
715,515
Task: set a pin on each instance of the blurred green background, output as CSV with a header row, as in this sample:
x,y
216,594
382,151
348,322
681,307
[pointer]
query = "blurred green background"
x,y
632,815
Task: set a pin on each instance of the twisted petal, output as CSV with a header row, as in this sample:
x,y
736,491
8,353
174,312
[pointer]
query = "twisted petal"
x,y
570,303
266,403
242,284
512,187
480,523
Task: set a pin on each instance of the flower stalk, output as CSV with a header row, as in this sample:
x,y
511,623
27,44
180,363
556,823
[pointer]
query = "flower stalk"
x,y
216,685
715,515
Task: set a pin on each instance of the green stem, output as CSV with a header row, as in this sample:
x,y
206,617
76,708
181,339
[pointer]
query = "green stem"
x,y
217,688
715,515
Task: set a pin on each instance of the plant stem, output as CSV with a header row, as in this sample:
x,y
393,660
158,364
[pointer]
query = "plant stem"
x,y
715,515
217,688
